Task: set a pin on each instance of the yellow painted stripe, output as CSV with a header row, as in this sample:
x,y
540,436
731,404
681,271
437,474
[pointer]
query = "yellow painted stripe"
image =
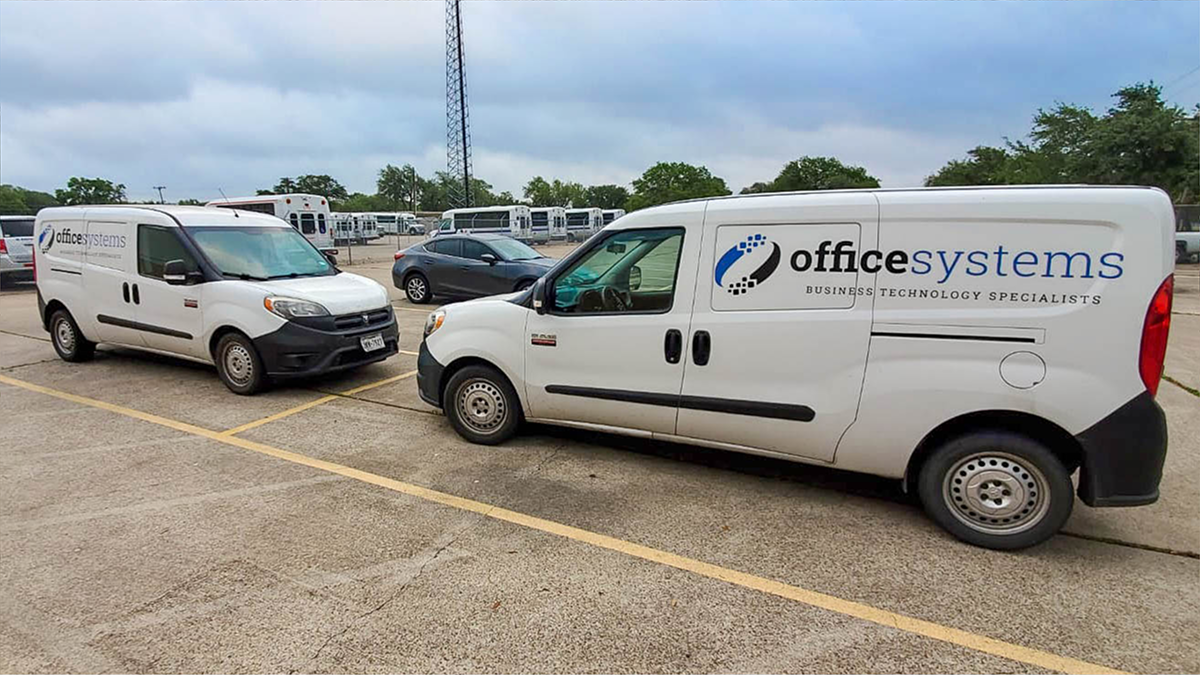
x,y
929,629
411,309
312,404
410,353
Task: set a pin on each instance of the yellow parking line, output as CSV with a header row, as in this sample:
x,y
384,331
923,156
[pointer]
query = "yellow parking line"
x,y
929,629
312,404
410,309
410,353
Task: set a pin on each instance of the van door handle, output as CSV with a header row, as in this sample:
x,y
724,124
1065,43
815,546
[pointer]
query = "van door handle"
x,y
125,290
701,347
673,346
136,299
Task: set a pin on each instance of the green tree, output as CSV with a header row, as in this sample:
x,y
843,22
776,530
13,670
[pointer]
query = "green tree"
x,y
816,173
363,202
190,202
11,202
36,201
400,185
540,192
90,191
984,165
672,181
323,185
606,196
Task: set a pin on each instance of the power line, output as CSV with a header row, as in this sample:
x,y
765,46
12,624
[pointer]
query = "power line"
x,y
1180,78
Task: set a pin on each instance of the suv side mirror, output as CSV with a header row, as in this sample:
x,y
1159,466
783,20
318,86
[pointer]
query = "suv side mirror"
x,y
176,273
539,296
488,258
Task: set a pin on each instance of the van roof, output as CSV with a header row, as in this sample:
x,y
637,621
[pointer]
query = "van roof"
x,y
184,215
954,188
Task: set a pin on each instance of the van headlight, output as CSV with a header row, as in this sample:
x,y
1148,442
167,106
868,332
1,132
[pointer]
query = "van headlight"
x,y
434,321
291,308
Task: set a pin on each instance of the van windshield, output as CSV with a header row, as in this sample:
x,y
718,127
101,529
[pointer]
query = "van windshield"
x,y
261,252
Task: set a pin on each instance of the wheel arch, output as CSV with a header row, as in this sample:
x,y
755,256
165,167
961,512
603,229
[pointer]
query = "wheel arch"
x,y
464,361
220,332
52,307
1058,440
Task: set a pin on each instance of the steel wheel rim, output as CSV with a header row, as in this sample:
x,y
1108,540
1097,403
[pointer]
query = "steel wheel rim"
x,y
996,493
64,335
416,288
481,406
238,364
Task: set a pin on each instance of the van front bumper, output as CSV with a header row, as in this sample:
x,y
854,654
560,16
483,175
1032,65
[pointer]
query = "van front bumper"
x,y
295,350
1123,455
429,377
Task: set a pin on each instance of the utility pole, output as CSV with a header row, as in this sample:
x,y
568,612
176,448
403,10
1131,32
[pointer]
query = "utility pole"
x,y
160,188
458,139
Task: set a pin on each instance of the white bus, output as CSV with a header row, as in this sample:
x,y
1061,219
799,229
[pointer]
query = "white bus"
x,y
612,214
583,223
514,221
349,228
307,213
393,222
548,223
368,225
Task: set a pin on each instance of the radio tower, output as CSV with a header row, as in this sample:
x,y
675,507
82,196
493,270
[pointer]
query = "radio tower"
x,y
458,138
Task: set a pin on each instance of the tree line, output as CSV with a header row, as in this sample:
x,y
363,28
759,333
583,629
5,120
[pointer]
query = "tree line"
x,y
1140,140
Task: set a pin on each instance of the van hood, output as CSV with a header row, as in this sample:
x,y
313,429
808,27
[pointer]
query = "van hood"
x,y
342,293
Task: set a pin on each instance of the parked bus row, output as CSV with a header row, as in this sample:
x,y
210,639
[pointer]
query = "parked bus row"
x,y
538,225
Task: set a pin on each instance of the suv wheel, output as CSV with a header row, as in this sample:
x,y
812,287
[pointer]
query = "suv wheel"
x,y
68,340
239,365
416,288
481,405
997,490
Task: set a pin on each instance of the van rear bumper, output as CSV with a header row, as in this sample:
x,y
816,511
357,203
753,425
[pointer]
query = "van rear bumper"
x,y
1123,455
299,351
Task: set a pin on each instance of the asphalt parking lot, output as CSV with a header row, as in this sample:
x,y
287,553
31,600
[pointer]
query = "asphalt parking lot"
x,y
153,521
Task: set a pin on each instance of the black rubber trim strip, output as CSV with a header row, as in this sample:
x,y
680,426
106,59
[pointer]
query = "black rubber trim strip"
x,y
780,411
944,336
59,269
144,327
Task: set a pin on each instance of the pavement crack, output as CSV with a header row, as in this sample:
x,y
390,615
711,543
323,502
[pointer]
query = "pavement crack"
x,y
1129,544
27,337
31,363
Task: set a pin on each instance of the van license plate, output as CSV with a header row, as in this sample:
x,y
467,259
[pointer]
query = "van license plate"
x,y
372,342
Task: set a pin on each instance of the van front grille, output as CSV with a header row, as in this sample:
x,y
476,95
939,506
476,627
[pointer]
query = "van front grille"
x,y
375,317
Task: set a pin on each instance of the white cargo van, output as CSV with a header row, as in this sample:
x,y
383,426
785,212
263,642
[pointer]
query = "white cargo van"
x,y
980,344
237,289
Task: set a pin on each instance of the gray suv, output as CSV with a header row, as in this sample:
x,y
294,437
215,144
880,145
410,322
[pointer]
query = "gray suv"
x,y
467,266
16,249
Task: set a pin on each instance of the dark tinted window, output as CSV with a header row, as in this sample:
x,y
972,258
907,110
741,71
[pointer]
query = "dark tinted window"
x,y
17,228
540,219
157,246
308,223
475,250
294,220
582,219
446,247
266,207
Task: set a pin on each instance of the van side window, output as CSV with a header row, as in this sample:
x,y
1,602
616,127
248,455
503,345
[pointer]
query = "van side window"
x,y
157,246
630,271
308,223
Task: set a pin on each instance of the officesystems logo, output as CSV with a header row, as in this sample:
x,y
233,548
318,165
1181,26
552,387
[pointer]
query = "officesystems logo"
x,y
46,238
743,255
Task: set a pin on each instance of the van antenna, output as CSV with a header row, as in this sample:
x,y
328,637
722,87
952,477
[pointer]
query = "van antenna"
x,y
235,213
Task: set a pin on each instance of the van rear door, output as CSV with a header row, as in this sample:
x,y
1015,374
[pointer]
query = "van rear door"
x,y
780,327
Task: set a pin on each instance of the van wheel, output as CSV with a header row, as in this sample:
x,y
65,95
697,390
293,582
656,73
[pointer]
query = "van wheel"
x,y
68,340
416,287
997,490
481,405
239,366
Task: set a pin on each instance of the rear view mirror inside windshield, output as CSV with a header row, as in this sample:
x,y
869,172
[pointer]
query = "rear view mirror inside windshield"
x,y
616,248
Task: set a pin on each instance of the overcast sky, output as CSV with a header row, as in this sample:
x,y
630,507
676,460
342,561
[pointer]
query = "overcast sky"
x,y
205,95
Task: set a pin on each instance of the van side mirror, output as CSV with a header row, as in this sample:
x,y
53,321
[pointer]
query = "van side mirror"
x,y
635,278
488,258
539,296
176,273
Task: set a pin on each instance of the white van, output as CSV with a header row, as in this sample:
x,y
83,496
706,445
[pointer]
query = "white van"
x,y
240,290
981,344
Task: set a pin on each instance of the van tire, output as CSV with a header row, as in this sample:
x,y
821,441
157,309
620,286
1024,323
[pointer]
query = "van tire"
x,y
68,340
416,289
481,405
1017,479
239,365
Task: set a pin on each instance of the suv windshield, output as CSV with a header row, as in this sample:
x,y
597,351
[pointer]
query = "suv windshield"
x,y
511,249
261,252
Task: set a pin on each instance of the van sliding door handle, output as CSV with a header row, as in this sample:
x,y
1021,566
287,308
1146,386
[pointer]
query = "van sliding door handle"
x,y
701,347
125,291
673,346
136,299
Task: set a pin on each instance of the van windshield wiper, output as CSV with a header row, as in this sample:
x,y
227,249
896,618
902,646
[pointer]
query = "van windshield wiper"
x,y
243,276
294,275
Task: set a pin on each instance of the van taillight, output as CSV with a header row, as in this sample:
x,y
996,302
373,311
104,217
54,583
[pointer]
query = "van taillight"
x,y
1154,335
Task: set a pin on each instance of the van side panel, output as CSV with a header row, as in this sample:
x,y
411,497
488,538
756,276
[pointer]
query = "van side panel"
x,y
1018,300
60,266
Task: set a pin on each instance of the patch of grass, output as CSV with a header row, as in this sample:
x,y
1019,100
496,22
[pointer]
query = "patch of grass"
x,y
1177,383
